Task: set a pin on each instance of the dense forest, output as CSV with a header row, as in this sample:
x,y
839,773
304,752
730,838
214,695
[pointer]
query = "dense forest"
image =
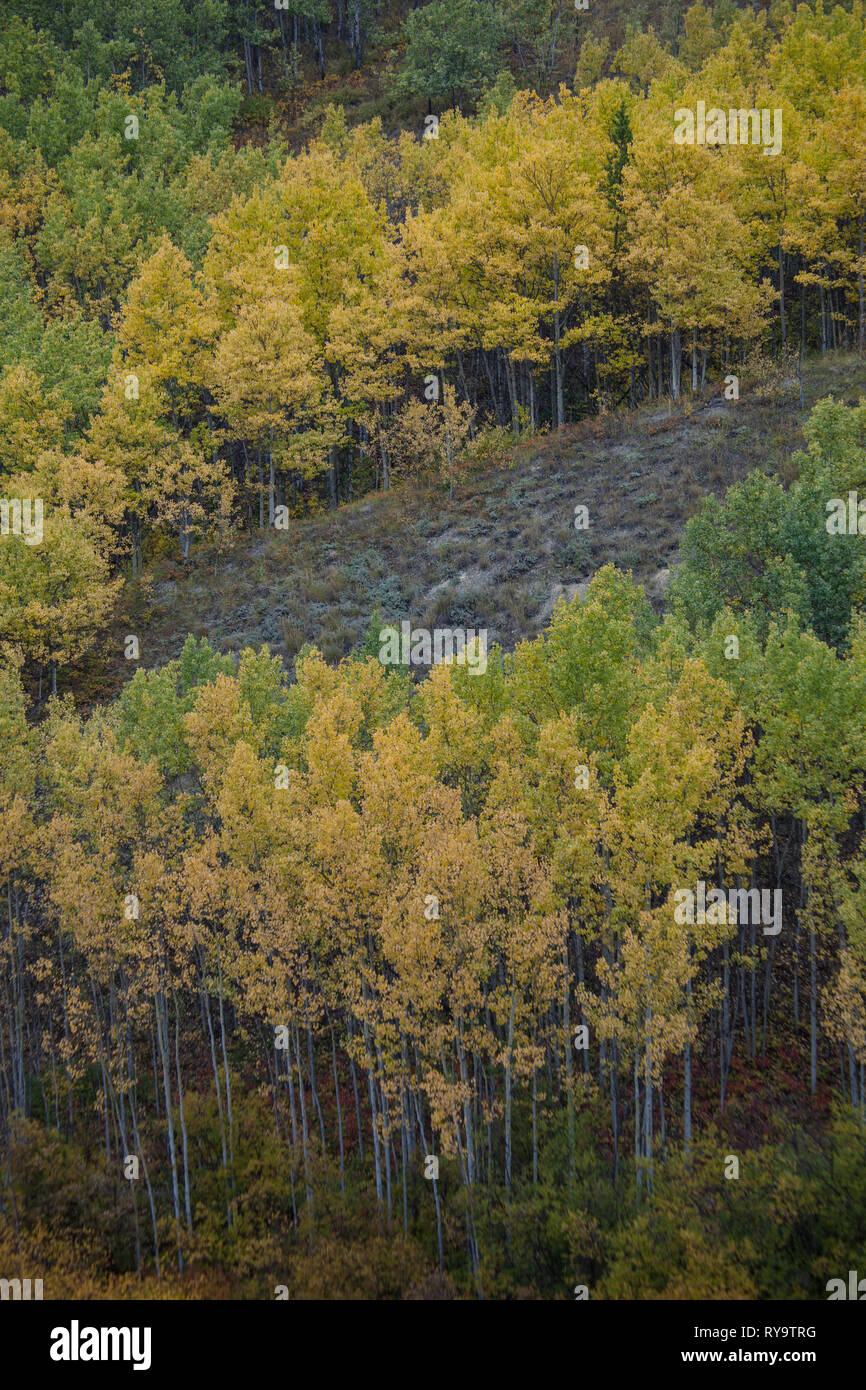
x,y
541,975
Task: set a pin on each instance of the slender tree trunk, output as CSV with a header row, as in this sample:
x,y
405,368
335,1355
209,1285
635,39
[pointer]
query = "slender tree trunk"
x,y
508,1066
182,1118
569,1065
434,1181
162,1043
813,1011
302,1107
676,362
557,334
861,301
219,1096
339,1106
373,1117
637,1124
648,1100
687,1076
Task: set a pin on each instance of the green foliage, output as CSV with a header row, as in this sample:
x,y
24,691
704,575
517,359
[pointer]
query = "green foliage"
x,y
621,137
587,659
198,664
151,40
452,51
20,321
152,705
151,714
73,359
768,550
16,739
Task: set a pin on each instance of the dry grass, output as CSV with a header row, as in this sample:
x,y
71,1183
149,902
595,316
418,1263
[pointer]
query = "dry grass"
x,y
509,530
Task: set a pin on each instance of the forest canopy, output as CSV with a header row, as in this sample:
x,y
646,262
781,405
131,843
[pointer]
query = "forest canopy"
x,y
348,983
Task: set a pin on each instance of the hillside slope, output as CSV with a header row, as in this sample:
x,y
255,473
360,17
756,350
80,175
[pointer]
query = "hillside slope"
x,y
497,555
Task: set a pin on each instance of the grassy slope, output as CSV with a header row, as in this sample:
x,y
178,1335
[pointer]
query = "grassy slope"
x,y
496,556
